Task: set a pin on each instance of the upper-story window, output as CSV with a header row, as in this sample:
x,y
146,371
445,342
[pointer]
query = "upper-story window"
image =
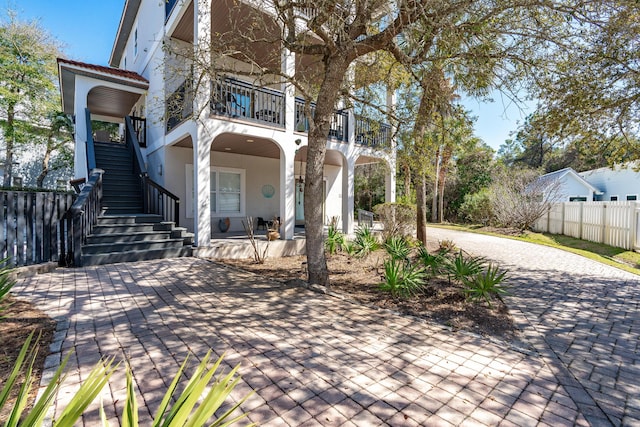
x,y
135,41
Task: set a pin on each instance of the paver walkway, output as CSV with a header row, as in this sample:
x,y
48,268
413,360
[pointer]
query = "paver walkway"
x,y
316,360
582,316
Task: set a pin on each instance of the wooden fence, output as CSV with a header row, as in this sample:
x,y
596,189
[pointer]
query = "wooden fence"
x,y
612,223
31,226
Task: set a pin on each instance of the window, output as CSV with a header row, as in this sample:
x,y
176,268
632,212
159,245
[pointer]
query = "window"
x,y
632,197
578,199
613,198
227,192
135,42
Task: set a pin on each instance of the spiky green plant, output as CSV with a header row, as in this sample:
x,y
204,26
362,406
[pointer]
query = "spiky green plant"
x,y
485,284
461,267
433,264
334,241
402,279
6,284
192,406
398,248
365,242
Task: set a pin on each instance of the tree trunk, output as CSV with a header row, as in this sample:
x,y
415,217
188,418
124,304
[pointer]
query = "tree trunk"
x,y
407,183
421,208
9,137
434,200
313,186
45,165
446,156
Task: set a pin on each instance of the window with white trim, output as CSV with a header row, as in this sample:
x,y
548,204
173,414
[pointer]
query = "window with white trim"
x,y
227,192
613,198
632,197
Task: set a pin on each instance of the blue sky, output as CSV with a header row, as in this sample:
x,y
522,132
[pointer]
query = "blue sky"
x,y
87,29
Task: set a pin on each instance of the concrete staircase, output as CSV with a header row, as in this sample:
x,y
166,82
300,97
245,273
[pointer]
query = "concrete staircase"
x,y
123,232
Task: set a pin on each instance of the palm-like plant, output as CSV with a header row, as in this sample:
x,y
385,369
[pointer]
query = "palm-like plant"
x,y
485,284
398,248
365,242
6,283
461,267
402,279
334,241
434,264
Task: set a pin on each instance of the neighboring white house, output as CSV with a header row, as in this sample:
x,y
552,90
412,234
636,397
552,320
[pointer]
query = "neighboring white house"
x,y
568,186
619,183
245,153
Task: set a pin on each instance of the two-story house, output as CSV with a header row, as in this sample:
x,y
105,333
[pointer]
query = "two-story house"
x,y
231,148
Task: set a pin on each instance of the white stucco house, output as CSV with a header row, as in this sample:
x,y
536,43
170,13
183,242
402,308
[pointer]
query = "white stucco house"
x,y
234,150
619,183
569,186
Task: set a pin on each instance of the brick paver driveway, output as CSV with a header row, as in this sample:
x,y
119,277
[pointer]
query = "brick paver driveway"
x,y
313,359
582,316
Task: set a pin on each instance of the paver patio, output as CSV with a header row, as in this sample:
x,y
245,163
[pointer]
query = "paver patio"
x,y
313,359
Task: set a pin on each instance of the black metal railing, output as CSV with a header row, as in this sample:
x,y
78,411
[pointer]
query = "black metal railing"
x,y
80,220
155,198
238,99
179,105
372,133
339,122
140,128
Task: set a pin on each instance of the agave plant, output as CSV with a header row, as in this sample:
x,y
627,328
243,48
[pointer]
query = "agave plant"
x,y
485,284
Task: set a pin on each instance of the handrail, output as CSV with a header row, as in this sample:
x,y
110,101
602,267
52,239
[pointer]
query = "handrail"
x,y
134,145
82,216
155,198
339,126
91,150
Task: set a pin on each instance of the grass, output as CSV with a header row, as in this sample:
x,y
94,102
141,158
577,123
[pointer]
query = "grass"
x,y
616,257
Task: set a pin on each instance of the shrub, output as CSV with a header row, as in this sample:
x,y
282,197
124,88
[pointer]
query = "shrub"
x,y
334,241
398,219
398,248
485,284
365,242
460,267
446,246
477,208
402,279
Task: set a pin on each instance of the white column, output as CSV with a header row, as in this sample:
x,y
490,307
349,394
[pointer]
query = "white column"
x,y
287,194
201,138
348,189
288,67
390,181
82,88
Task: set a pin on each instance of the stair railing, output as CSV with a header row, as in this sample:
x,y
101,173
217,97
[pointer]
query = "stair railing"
x,y
155,198
91,149
80,220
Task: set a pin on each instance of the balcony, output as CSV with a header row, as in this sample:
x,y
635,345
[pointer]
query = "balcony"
x,y
237,99
339,122
241,100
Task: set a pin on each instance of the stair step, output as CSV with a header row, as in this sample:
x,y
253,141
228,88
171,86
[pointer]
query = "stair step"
x,y
130,228
101,248
131,237
110,258
129,219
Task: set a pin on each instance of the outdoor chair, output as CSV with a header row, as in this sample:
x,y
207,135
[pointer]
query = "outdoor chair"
x,y
261,223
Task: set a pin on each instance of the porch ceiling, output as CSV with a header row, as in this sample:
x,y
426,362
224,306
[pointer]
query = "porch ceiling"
x,y
114,94
184,29
260,147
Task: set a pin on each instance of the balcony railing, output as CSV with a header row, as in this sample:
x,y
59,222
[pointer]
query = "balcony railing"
x,y
339,122
179,105
237,99
372,133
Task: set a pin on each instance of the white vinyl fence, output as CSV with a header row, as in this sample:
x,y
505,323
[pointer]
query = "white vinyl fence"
x,y
612,223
